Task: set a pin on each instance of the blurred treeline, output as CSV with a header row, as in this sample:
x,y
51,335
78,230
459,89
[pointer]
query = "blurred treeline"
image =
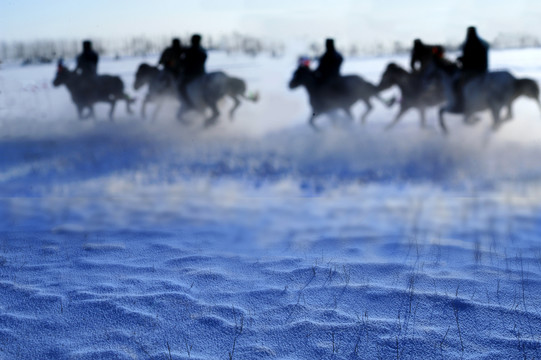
x,y
47,50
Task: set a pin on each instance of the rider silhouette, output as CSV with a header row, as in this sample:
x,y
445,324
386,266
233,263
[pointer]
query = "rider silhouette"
x,y
171,58
194,66
329,63
474,53
423,54
87,61
474,62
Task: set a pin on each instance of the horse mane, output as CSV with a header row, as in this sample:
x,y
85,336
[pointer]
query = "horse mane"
x,y
306,68
396,68
144,67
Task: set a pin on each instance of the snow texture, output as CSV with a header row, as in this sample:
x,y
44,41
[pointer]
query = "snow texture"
x,y
260,238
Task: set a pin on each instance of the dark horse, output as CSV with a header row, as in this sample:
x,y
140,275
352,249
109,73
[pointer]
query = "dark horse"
x,y
86,91
160,86
339,93
206,90
415,91
492,90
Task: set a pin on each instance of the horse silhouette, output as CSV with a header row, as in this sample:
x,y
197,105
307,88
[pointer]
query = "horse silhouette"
x,y
415,91
85,91
206,90
492,90
161,86
337,93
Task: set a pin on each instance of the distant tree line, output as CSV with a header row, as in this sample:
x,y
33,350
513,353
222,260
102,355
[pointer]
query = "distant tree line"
x,y
502,41
43,51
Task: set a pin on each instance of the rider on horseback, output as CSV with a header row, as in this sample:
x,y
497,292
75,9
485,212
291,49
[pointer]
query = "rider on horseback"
x,y
329,63
474,62
423,54
194,66
171,58
474,53
87,61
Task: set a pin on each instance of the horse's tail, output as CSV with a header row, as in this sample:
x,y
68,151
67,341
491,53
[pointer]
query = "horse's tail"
x,y
252,96
528,88
376,90
238,87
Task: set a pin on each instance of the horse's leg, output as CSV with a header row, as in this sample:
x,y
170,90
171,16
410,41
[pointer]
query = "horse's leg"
x,y
91,112
311,121
181,111
442,123
423,117
367,111
215,113
80,112
396,118
347,110
111,111
495,110
128,102
157,108
232,111
144,107
509,115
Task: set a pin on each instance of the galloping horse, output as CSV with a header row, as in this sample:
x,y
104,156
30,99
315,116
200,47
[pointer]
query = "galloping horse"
x,y
86,91
335,94
415,92
206,90
160,87
491,90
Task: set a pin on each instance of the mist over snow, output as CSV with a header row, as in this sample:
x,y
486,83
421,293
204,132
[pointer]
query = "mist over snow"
x,y
259,237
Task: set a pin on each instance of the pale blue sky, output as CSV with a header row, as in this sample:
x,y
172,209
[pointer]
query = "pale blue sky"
x,y
362,21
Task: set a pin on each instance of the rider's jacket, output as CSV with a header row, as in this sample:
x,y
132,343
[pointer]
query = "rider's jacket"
x,y
87,63
474,55
422,54
171,59
329,64
194,61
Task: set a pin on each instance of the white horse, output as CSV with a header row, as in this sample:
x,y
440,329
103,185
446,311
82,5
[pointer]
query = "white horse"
x,y
206,90
161,86
492,90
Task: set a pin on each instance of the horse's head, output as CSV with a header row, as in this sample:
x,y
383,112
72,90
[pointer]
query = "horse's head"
x,y
142,75
389,77
62,74
302,75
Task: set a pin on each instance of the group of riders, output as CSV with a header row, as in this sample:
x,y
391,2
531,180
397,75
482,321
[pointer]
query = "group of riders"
x,y
186,63
178,63
472,62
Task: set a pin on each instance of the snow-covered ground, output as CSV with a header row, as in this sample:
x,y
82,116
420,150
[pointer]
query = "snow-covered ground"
x,y
260,238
